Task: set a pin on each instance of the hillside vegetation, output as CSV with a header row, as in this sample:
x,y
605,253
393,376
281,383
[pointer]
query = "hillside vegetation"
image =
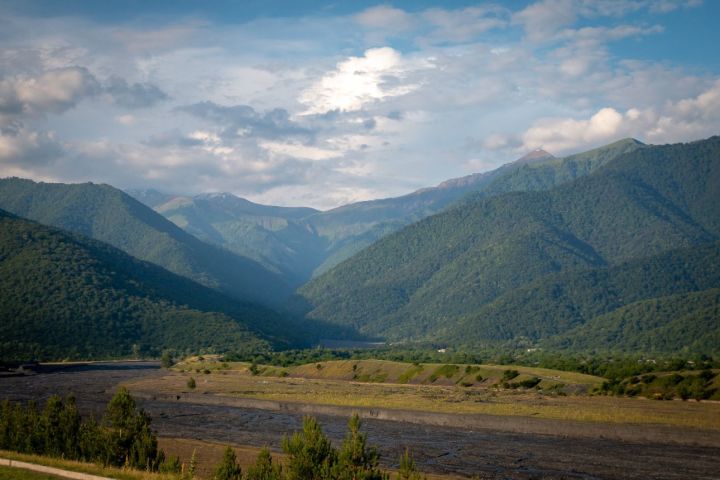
x,y
107,214
439,277
298,243
65,296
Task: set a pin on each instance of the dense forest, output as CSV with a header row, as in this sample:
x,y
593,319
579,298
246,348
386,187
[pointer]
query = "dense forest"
x,y
67,296
467,274
109,215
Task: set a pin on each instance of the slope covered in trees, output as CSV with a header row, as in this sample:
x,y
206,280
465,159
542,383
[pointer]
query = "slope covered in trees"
x,y
432,276
107,214
68,296
301,242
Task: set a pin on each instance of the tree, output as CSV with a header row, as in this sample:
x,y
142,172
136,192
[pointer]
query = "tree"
x,y
357,461
407,469
311,454
228,468
264,468
130,441
70,423
50,427
166,361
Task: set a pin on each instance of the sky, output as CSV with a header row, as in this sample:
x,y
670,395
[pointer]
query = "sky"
x,y
319,103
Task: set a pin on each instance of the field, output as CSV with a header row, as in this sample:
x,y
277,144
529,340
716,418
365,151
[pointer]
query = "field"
x,y
438,388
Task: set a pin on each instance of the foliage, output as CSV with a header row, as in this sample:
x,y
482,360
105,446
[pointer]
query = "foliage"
x,y
407,469
69,297
264,468
311,456
122,439
356,460
665,386
107,214
228,468
502,268
166,360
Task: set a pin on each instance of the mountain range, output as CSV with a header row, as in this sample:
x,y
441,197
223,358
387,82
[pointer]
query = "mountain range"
x,y
614,249
480,272
107,214
300,243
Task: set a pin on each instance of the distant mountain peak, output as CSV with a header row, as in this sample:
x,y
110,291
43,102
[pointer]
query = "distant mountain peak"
x,y
210,195
534,156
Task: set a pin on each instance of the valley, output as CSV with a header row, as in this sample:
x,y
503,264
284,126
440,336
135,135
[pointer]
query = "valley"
x,y
628,441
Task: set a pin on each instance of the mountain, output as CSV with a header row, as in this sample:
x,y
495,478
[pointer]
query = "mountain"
x,y
107,214
302,243
591,309
686,322
272,236
436,278
65,296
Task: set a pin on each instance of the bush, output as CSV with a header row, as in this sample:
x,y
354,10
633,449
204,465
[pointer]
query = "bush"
x,y
191,383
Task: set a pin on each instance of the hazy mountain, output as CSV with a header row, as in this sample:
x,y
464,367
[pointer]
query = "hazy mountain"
x,y
299,243
107,214
422,281
67,296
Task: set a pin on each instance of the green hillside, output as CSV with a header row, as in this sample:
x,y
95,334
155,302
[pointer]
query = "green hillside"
x,y
67,296
687,322
299,243
421,281
557,303
107,214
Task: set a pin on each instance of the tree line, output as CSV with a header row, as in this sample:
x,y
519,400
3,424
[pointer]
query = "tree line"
x,y
122,438
311,456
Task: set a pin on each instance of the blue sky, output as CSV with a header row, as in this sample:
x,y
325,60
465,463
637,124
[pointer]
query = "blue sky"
x,y
324,103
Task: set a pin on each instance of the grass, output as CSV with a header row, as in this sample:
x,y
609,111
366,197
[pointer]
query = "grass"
x,y
11,473
462,389
120,474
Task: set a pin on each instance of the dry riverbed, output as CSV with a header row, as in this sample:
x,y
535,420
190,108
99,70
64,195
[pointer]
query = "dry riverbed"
x,y
496,450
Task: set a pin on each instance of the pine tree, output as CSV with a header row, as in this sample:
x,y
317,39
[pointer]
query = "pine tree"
x,y
228,468
357,461
407,469
312,457
264,468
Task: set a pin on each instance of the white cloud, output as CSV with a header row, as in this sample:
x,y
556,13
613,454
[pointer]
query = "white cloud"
x,y
543,19
54,91
385,17
687,119
377,75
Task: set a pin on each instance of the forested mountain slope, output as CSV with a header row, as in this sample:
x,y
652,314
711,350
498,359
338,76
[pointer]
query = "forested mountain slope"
x,y
107,214
299,242
67,296
425,280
